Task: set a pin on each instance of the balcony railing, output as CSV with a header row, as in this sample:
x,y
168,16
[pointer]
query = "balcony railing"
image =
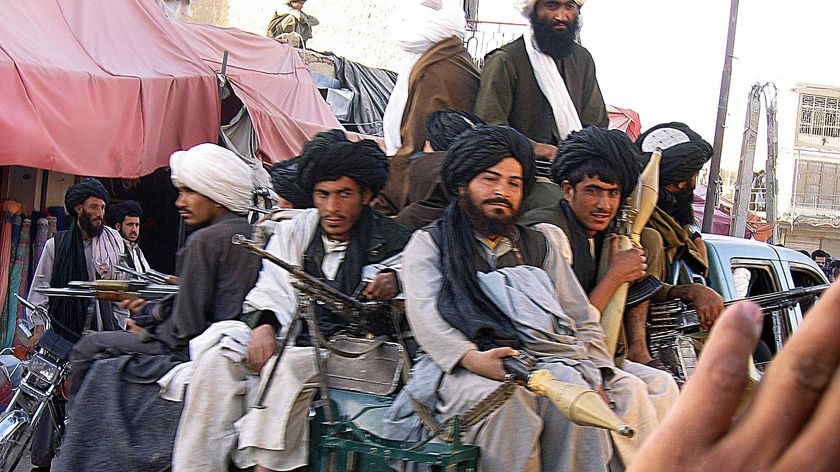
x,y
485,36
815,202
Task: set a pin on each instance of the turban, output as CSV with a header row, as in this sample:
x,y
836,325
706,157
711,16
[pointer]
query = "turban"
x,y
481,148
600,149
284,176
330,156
443,126
215,172
77,194
525,7
683,151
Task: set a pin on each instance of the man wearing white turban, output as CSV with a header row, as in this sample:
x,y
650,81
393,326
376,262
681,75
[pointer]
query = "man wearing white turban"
x,y
440,75
543,84
214,190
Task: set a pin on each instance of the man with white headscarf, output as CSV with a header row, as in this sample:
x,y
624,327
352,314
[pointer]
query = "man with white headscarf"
x,y
543,84
214,192
440,75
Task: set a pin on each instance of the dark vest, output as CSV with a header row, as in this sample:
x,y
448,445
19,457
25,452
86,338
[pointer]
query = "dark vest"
x,y
530,249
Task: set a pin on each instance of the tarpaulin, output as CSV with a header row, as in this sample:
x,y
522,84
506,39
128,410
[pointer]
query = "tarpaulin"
x,y
626,120
372,89
111,89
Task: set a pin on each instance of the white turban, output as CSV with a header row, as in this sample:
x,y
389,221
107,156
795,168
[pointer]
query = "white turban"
x,y
215,172
419,25
527,6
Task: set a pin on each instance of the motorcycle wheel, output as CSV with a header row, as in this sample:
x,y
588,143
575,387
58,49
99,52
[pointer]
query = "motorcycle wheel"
x,y
12,449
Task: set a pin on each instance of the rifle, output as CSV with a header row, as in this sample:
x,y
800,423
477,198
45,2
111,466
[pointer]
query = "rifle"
x,y
111,290
150,275
676,315
355,312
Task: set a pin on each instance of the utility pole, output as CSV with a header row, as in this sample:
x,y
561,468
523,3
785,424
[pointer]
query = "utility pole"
x,y
772,157
720,125
743,186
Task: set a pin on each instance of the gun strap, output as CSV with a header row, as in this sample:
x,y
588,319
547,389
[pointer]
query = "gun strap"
x,y
471,417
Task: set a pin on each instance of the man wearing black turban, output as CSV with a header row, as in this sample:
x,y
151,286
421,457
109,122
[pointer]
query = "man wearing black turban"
x,y
482,288
342,242
87,250
425,196
284,180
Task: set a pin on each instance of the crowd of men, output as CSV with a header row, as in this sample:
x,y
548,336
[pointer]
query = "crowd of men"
x,y
487,269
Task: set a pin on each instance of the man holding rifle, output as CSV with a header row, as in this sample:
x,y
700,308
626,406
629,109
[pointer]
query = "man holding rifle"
x,y
214,192
480,289
336,242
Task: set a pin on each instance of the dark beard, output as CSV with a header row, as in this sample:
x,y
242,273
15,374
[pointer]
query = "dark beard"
x,y
487,225
557,44
88,227
679,205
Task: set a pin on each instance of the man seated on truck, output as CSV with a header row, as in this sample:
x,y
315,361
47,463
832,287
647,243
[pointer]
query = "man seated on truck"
x,y
597,169
482,287
334,242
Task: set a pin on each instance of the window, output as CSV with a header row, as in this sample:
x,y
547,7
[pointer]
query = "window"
x,y
819,115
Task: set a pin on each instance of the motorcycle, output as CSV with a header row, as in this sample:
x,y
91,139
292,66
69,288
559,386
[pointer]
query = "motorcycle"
x,y
43,374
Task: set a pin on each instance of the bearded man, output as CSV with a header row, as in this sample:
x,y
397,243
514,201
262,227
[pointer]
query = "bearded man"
x,y
480,288
125,218
127,426
543,84
440,75
88,250
341,241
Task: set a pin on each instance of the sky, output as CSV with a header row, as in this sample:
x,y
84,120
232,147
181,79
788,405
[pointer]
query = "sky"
x,y
664,59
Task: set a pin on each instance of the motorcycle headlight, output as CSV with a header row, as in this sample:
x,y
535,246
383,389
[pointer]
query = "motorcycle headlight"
x,y
43,369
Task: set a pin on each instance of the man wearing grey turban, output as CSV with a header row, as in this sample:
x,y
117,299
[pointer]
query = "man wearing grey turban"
x,y
543,84
482,288
214,190
341,241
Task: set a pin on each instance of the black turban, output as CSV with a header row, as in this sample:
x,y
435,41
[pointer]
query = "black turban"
x,y
610,152
683,151
481,148
330,156
284,177
76,194
443,126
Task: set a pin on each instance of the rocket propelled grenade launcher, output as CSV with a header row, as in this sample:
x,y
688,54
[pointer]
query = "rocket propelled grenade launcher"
x,y
580,404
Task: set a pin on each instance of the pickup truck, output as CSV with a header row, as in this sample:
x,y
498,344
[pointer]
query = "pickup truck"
x,y
784,281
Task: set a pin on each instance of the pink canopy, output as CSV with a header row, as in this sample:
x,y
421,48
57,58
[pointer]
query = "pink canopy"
x,y
111,89
626,120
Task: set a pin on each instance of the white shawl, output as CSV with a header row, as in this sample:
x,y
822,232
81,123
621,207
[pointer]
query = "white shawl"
x,y
419,27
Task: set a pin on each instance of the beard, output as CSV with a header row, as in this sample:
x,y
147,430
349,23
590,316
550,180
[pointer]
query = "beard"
x,y
88,226
679,205
488,224
556,44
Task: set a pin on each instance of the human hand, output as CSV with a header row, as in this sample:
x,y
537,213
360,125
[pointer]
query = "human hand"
x,y
135,306
383,287
37,333
488,363
627,266
132,327
792,422
263,345
545,152
707,302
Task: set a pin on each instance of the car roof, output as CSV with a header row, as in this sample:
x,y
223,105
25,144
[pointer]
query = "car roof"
x,y
729,248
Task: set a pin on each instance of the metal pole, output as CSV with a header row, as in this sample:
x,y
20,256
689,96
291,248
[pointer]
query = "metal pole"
x,y
720,125
743,184
772,157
